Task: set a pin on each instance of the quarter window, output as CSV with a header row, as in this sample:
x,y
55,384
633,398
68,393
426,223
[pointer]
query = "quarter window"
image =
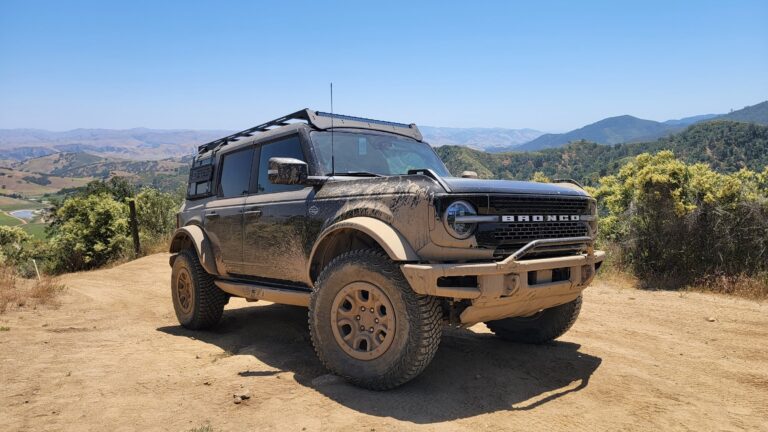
x,y
289,148
236,173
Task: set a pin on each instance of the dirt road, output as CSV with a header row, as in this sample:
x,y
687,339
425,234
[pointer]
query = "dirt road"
x,y
112,357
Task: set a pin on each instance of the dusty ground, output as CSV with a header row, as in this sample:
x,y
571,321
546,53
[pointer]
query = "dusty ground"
x,y
112,357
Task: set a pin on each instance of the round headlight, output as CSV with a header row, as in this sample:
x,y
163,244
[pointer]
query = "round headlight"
x,y
460,230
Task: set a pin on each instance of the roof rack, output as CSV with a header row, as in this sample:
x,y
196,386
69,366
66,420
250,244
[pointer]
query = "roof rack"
x,y
322,121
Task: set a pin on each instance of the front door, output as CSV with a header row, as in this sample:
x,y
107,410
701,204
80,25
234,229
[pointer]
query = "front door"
x,y
274,220
224,216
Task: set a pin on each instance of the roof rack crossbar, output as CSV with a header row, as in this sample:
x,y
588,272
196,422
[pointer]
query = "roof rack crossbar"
x,y
320,120
282,121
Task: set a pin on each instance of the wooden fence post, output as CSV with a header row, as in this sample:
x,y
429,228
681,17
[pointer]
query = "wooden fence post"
x,y
134,223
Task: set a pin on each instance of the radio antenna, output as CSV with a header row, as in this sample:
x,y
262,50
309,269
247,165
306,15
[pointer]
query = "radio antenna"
x,y
333,158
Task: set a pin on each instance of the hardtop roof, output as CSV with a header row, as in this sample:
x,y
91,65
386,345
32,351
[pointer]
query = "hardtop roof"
x,y
317,120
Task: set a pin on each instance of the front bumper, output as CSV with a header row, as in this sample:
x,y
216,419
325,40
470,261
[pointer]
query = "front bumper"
x,y
511,287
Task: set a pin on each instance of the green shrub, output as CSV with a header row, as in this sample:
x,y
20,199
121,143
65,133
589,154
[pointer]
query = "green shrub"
x,y
91,231
156,212
677,223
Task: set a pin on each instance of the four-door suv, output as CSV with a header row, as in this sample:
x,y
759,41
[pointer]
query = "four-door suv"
x,y
361,222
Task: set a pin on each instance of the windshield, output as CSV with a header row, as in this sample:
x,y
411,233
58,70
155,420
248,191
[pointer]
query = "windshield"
x,y
382,154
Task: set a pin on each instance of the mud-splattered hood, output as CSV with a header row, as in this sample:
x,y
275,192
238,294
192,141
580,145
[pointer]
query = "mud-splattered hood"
x,y
465,185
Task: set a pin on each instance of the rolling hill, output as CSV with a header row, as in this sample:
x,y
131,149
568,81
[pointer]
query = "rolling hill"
x,y
15,182
753,114
727,146
612,130
627,129
165,174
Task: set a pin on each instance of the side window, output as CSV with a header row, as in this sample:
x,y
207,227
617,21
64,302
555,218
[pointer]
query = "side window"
x,y
200,176
236,173
289,147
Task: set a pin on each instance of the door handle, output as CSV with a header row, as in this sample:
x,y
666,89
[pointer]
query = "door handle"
x,y
254,211
211,215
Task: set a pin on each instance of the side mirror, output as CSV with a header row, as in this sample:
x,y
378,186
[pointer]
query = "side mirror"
x,y
287,171
469,174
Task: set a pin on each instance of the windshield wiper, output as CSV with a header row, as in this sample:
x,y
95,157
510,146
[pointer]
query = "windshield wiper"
x,y
361,174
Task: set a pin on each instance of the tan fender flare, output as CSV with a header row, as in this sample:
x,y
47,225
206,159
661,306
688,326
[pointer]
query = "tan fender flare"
x,y
193,235
394,244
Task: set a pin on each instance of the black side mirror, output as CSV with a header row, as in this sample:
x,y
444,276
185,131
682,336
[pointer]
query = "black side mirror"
x,y
287,171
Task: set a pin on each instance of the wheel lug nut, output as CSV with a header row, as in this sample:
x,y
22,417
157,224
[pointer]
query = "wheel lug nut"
x,y
371,310
376,320
362,308
362,328
370,330
357,317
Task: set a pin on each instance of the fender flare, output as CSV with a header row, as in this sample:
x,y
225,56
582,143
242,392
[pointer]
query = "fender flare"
x,y
394,244
194,235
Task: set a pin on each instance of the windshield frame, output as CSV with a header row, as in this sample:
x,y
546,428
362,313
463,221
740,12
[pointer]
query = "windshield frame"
x,y
321,154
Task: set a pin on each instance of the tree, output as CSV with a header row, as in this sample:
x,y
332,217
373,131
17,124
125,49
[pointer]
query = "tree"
x,y
156,212
92,230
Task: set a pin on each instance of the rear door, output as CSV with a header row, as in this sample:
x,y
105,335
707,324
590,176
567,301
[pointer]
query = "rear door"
x,y
224,216
274,224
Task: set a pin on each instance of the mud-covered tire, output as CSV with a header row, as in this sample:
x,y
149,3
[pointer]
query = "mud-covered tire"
x,y
417,321
543,327
200,304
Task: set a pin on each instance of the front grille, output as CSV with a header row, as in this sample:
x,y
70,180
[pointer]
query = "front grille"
x,y
525,232
506,238
553,205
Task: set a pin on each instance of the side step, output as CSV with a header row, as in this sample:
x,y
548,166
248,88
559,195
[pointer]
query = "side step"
x,y
252,291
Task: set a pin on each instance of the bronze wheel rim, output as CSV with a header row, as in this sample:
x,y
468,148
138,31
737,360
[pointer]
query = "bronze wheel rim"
x,y
184,290
363,320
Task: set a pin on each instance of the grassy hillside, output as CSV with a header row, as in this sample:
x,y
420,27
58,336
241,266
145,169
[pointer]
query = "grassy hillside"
x,y
33,184
165,174
724,145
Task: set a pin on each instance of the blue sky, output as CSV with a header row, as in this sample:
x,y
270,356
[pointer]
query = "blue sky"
x,y
548,65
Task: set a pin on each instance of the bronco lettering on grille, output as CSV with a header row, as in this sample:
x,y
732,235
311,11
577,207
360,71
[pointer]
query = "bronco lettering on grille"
x,y
540,218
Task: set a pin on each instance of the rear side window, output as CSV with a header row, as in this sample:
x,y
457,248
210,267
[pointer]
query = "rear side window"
x,y
200,176
236,173
290,148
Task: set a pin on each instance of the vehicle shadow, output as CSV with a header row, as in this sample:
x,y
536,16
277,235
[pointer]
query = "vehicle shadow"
x,y
471,374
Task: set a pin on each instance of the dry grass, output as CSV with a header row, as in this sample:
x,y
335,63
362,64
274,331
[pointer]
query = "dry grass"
x,y
17,293
751,287
152,246
46,291
9,294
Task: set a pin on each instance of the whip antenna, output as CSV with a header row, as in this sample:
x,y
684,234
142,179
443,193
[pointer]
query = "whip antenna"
x,y
333,158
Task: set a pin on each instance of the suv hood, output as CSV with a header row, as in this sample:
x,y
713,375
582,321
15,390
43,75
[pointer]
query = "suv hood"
x,y
466,185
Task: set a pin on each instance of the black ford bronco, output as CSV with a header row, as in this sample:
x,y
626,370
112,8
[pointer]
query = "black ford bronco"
x,y
360,221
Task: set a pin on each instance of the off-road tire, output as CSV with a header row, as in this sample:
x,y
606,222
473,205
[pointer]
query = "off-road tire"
x,y
543,327
418,322
205,302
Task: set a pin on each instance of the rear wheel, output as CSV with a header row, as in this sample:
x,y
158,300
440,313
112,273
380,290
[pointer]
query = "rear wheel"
x,y
367,324
546,325
197,301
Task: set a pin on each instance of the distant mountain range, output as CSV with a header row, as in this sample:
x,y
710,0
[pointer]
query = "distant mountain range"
x,y
138,143
628,129
155,144
492,140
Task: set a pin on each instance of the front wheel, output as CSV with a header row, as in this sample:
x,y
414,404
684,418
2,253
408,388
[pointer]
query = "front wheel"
x,y
545,326
368,326
197,301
